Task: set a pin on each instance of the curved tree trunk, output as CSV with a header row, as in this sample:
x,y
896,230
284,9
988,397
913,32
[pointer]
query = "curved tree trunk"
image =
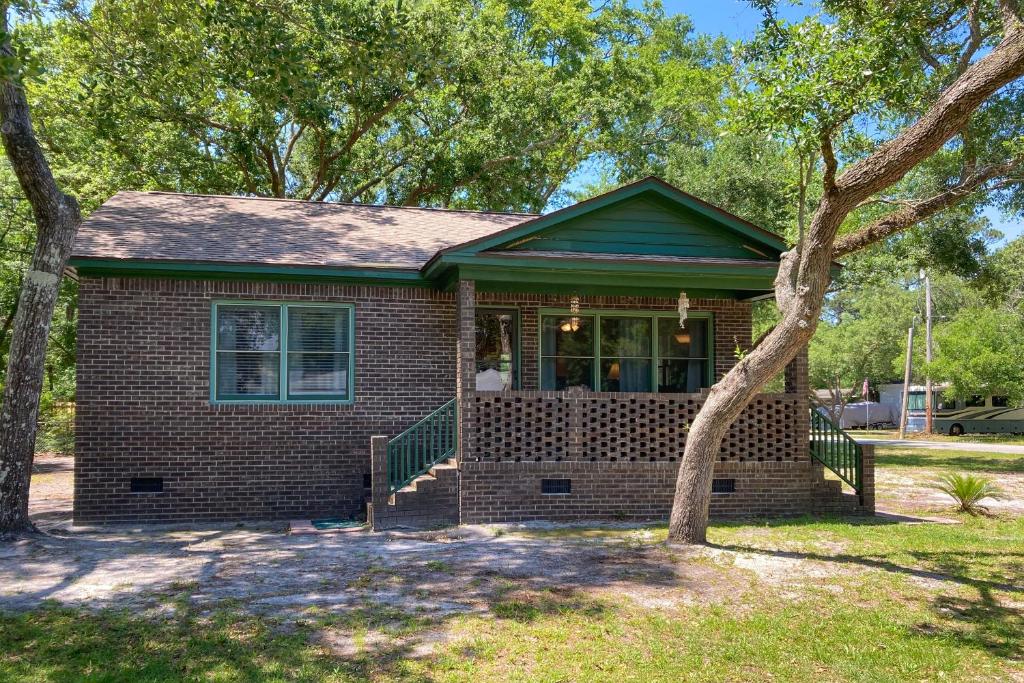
x,y
804,272
57,219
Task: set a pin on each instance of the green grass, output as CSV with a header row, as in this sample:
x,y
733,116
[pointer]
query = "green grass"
x,y
1004,439
880,602
54,644
881,614
820,637
949,460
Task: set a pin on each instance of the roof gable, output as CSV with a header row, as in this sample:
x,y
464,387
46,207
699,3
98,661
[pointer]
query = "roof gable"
x,y
648,217
640,225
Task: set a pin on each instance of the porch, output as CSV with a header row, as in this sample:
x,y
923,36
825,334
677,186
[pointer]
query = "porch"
x,y
530,451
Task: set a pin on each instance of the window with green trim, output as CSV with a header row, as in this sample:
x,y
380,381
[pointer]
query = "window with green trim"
x,y
625,351
282,352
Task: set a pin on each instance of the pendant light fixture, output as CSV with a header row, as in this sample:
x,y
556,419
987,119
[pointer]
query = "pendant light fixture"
x,y
683,335
573,323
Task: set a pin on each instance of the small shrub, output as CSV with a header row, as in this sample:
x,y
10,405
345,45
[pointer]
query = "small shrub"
x,y
968,490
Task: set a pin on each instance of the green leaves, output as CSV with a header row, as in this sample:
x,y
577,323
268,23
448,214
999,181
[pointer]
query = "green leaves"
x,y
443,102
968,490
981,352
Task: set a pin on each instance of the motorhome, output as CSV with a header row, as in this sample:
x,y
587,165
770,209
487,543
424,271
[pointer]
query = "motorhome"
x,y
977,414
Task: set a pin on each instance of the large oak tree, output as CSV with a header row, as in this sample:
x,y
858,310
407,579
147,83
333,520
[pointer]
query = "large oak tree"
x,y
928,72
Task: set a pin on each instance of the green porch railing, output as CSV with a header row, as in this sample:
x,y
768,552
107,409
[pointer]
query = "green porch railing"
x,y
420,447
836,450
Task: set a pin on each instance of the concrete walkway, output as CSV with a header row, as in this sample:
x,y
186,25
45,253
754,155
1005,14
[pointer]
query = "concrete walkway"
x,y
943,445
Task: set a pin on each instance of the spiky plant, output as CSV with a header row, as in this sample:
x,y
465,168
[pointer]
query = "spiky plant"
x,y
968,490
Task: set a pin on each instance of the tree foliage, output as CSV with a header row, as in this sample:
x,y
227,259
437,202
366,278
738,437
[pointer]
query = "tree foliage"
x,y
981,352
444,102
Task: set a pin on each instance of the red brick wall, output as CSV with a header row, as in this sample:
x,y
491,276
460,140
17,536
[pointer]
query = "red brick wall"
x,y
144,408
511,491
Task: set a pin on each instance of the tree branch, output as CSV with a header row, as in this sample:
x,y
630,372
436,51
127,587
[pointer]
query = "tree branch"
x,y
916,211
950,112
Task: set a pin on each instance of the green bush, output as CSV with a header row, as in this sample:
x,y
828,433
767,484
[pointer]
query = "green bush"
x,y
968,490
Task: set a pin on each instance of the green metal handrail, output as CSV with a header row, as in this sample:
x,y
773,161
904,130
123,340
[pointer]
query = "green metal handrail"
x,y
420,447
836,450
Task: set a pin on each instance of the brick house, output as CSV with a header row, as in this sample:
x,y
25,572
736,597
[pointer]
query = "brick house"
x,y
243,358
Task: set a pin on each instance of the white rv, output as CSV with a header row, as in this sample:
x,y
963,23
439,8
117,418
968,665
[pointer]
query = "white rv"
x,y
978,414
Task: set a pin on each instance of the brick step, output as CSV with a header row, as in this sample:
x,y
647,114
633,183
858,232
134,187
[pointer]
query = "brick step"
x,y
429,501
829,486
844,503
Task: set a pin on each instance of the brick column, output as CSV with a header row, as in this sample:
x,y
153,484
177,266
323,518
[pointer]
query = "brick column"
x,y
867,495
378,481
465,357
797,385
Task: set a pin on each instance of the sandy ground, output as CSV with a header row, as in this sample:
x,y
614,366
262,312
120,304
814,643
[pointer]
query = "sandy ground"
x,y
909,490
263,570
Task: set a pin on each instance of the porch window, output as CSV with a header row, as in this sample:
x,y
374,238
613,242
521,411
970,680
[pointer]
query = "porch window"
x,y
624,351
567,354
682,355
626,354
497,349
271,352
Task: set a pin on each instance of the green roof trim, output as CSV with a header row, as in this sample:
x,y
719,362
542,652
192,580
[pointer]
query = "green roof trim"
x,y
192,270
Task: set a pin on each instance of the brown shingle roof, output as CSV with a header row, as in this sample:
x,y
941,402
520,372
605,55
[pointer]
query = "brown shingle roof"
x,y
179,227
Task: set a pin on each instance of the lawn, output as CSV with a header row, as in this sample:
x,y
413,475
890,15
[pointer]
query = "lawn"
x,y
793,600
1006,439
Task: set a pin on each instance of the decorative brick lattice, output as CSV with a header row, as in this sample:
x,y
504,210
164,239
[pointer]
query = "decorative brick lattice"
x,y
518,426
535,426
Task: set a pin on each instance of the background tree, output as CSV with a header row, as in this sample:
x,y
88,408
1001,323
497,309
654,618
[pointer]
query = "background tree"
x,y
57,218
981,353
863,88
862,341
450,103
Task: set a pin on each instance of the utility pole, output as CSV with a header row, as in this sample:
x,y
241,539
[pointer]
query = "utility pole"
x,y
927,351
906,382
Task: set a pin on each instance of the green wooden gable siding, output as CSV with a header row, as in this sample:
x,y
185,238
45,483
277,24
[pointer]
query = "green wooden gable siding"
x,y
642,225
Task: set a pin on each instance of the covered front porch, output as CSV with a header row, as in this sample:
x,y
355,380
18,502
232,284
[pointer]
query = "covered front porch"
x,y
585,344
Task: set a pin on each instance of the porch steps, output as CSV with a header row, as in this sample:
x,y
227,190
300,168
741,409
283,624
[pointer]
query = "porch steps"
x,y
429,501
828,498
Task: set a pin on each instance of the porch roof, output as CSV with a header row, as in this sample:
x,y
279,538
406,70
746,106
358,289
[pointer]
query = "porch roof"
x,y
647,237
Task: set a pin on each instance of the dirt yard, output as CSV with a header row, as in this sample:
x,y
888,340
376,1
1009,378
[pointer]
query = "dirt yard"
x,y
403,597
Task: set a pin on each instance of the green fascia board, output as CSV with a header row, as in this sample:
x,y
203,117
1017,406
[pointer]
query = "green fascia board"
x,y
597,289
648,185
575,265
192,270
624,281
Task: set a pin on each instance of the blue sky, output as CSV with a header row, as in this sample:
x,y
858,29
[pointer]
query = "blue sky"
x,y
736,19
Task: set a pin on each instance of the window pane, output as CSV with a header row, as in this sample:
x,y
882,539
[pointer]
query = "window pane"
x,y
495,350
689,341
317,328
626,337
248,328
681,376
625,374
562,373
567,336
248,375
318,374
